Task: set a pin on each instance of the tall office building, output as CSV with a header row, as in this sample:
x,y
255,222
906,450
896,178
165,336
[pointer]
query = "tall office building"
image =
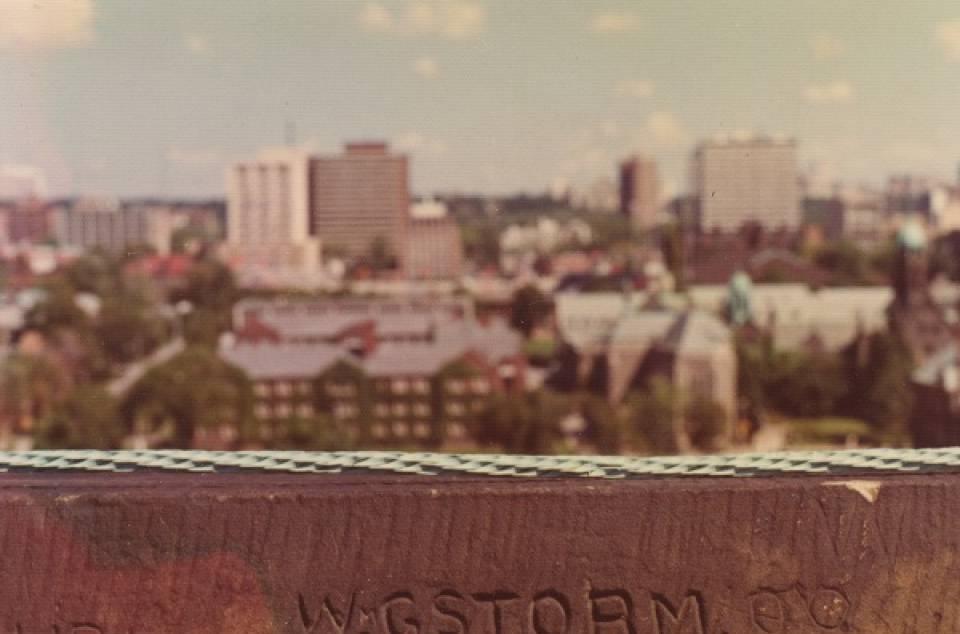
x,y
640,191
268,213
747,180
360,196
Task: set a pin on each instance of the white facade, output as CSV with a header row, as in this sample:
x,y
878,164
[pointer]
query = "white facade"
x,y
268,212
945,208
747,180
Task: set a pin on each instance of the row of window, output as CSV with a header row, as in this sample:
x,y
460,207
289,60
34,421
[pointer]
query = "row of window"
x,y
420,430
282,410
400,386
383,410
282,389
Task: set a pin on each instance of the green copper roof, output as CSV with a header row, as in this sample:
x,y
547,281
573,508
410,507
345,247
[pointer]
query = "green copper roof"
x,y
912,236
859,462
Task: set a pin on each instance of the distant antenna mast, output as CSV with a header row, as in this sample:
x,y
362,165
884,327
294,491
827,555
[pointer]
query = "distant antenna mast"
x,y
290,133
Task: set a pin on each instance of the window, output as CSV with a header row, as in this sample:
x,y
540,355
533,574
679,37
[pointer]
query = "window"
x,y
421,386
303,387
305,410
261,389
262,411
456,386
399,409
401,430
283,410
401,386
345,410
455,408
421,410
480,385
381,409
421,430
283,389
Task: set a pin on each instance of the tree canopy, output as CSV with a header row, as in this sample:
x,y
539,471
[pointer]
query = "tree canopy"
x,y
194,390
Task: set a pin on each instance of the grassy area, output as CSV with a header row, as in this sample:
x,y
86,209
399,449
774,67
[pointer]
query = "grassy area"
x,y
540,349
827,431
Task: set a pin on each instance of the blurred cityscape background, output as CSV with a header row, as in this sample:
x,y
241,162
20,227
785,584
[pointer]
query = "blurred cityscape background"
x,y
363,225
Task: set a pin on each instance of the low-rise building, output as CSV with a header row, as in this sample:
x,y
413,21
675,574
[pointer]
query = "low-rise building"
x,y
615,344
935,420
102,223
797,316
389,372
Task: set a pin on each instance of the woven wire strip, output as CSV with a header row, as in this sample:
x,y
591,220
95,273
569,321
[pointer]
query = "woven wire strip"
x,y
867,461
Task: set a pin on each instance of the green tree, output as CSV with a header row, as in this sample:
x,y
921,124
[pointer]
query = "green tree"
x,y
380,257
705,422
58,310
89,418
203,326
654,415
128,329
606,427
879,369
481,242
807,384
30,387
96,272
848,263
194,390
211,285
317,433
523,424
211,291
528,308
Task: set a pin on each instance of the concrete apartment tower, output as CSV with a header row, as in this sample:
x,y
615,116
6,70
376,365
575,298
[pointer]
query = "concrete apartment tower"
x,y
747,180
640,191
360,196
268,213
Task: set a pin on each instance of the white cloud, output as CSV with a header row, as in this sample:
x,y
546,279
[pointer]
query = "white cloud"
x,y
196,44
422,146
595,151
427,67
375,18
826,46
948,36
448,19
665,130
614,23
832,93
30,26
636,88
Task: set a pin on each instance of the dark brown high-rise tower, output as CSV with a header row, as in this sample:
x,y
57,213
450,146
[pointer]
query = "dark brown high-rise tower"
x,y
359,197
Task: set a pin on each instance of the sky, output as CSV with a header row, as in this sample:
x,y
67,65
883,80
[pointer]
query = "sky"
x,y
148,98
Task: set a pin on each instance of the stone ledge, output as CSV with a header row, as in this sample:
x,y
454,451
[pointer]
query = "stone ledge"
x,y
189,553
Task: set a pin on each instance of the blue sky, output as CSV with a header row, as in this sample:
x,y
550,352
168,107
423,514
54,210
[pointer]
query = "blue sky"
x,y
139,97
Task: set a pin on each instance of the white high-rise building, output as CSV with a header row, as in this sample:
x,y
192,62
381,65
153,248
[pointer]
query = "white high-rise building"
x,y
747,180
268,213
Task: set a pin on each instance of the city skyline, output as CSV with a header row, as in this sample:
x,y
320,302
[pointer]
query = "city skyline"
x,y
137,98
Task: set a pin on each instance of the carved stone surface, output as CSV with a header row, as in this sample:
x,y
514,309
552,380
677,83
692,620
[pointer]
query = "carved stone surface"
x,y
142,552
